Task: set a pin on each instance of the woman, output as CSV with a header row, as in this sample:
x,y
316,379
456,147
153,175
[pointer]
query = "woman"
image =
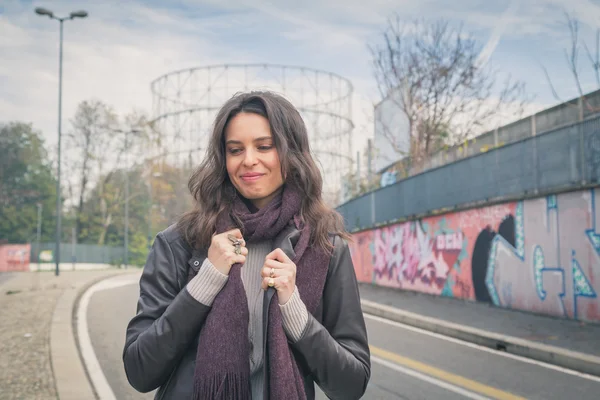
x,y
253,293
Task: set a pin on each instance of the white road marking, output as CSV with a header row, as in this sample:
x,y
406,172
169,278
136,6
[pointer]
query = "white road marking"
x,y
485,349
428,379
88,354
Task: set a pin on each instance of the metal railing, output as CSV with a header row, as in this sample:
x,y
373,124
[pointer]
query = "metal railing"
x,y
561,159
80,253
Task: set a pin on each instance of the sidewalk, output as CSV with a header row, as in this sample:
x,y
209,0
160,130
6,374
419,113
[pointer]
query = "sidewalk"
x,y
37,345
563,342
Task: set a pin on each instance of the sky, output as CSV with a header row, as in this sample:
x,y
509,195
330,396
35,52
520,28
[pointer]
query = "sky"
x,y
122,46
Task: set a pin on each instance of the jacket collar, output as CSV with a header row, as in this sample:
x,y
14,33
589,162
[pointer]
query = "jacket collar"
x,y
286,240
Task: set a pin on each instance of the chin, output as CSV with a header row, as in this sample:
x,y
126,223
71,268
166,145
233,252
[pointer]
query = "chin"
x,y
252,195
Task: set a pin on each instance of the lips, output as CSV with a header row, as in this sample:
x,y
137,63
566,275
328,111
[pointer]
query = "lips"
x,y
250,177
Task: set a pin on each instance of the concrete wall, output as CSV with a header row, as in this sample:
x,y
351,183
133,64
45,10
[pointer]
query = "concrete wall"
x,y
540,255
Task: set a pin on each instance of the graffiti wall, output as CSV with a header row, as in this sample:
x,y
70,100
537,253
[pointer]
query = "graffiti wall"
x,y
540,255
14,257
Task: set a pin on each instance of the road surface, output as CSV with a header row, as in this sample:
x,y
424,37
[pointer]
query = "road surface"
x,y
407,363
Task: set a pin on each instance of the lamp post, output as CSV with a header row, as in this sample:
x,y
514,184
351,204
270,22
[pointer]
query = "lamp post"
x,y
126,199
75,14
150,210
39,234
126,229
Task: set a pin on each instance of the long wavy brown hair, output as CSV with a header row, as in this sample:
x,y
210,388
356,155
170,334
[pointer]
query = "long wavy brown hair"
x,y
214,193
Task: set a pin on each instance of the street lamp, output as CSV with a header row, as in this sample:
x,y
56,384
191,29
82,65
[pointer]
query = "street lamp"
x,y
75,14
134,131
150,230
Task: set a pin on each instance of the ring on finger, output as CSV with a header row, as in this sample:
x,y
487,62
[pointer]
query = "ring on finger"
x,y
238,250
234,240
271,282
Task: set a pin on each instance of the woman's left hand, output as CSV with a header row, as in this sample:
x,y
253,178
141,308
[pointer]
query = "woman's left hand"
x,y
280,271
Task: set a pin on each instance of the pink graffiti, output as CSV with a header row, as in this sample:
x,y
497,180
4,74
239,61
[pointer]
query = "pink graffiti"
x,y
483,216
411,252
406,257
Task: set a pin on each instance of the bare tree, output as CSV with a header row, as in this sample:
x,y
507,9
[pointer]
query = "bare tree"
x,y
86,150
433,73
96,147
572,55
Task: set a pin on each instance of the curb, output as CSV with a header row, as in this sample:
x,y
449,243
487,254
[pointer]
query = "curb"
x,y
537,351
70,376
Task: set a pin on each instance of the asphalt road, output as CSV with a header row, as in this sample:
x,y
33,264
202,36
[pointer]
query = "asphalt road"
x,y
407,363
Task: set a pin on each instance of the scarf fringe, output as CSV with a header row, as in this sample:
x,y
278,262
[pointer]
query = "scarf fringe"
x,y
229,386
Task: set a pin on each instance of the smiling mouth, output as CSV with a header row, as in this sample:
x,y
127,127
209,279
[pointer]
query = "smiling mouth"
x,y
251,178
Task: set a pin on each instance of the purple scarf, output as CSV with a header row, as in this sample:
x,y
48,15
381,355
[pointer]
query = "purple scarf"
x,y
222,360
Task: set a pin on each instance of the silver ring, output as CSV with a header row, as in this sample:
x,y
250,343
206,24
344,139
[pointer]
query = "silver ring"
x,y
235,241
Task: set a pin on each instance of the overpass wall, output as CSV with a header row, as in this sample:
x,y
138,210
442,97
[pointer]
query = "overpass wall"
x,y
540,254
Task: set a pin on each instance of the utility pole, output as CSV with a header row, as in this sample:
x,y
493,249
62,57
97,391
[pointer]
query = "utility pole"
x,y
73,15
39,234
369,163
126,199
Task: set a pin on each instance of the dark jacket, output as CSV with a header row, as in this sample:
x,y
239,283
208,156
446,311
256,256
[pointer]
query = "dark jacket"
x,y
160,347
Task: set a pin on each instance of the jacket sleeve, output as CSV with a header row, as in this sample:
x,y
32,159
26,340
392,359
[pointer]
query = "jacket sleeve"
x,y
168,320
336,353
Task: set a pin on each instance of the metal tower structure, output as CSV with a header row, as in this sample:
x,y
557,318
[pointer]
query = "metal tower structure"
x,y
185,104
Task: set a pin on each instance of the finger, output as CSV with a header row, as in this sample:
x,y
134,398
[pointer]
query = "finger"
x,y
274,264
279,283
236,259
265,283
230,247
234,232
269,272
279,255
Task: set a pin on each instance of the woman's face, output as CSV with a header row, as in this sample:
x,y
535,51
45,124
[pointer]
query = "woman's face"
x,y
251,157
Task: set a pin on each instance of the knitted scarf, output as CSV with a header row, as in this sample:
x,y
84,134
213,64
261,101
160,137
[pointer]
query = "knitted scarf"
x,y
222,359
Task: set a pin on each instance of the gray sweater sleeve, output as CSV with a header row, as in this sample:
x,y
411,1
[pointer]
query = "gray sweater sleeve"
x,y
207,284
295,316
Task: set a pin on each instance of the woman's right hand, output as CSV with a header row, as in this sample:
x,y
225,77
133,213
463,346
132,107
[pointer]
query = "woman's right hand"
x,y
221,252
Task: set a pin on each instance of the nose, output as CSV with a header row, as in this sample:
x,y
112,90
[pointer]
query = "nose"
x,y
250,158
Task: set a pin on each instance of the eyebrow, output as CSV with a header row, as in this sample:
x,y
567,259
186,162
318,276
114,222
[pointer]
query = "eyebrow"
x,y
260,139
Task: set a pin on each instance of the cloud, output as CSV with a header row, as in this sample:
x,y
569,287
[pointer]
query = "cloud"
x,y
499,29
123,46
104,58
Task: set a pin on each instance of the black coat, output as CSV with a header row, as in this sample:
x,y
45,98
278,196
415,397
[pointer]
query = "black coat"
x,y
162,339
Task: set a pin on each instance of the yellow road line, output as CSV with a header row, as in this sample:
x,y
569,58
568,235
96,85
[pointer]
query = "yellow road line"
x,y
454,379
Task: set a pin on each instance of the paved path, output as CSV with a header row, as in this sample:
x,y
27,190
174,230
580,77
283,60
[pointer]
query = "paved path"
x,y
27,304
567,334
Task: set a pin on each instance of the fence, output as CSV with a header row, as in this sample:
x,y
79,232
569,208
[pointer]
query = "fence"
x,y
80,253
560,159
559,116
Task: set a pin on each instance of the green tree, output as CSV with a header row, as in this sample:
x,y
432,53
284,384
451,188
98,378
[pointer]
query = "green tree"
x,y
26,180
